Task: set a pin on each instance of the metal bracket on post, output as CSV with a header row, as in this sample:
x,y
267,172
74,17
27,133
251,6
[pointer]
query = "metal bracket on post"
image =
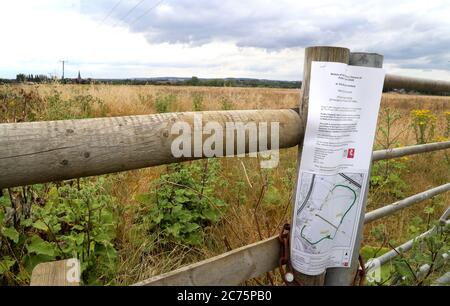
x,y
323,54
345,276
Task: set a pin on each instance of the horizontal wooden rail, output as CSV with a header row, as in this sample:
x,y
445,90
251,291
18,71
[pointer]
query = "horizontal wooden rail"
x,y
231,268
56,273
39,152
242,262
394,207
417,84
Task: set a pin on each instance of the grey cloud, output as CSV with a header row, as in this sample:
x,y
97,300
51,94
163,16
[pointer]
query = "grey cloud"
x,y
260,24
403,37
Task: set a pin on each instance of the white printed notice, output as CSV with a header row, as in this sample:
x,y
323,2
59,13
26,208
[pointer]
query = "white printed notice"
x,y
343,108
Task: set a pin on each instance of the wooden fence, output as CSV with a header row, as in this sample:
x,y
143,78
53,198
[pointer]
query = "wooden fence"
x,y
39,152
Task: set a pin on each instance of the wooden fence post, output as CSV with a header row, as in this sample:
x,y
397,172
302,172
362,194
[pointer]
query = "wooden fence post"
x,y
345,276
323,54
57,273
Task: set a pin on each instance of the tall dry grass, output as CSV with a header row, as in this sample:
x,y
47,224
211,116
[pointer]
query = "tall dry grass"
x,y
138,100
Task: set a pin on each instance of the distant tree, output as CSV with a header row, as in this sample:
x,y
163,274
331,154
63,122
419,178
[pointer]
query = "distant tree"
x,y
41,78
229,83
21,78
194,81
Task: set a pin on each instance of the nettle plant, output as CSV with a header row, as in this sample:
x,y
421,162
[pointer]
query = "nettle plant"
x,y
65,221
182,203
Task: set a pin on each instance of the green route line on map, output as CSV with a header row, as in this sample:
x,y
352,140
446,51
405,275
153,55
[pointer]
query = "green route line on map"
x,y
313,243
342,219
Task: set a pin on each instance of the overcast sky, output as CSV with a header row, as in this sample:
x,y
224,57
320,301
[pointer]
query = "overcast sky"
x,y
217,38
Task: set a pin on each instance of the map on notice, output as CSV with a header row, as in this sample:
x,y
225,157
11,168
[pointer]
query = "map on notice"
x,y
344,102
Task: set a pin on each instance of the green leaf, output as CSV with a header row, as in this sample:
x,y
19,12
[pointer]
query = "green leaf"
x,y
194,238
402,268
41,247
211,215
428,210
190,227
26,222
273,196
174,230
5,264
78,227
176,209
79,239
219,203
108,252
31,260
185,216
103,237
143,198
53,194
156,216
5,202
40,225
11,233
107,217
2,216
181,199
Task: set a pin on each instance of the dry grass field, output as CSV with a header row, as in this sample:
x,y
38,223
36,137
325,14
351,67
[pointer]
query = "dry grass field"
x,y
258,201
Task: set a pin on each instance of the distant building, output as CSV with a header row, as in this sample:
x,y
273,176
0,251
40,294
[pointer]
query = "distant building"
x,y
79,79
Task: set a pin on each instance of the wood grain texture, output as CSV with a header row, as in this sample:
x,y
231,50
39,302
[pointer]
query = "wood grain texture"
x,y
322,54
38,152
56,273
231,268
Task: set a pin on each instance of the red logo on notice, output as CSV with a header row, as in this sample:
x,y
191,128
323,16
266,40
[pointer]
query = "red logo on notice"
x,y
351,153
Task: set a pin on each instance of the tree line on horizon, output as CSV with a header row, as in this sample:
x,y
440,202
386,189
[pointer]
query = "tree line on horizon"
x,y
193,81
